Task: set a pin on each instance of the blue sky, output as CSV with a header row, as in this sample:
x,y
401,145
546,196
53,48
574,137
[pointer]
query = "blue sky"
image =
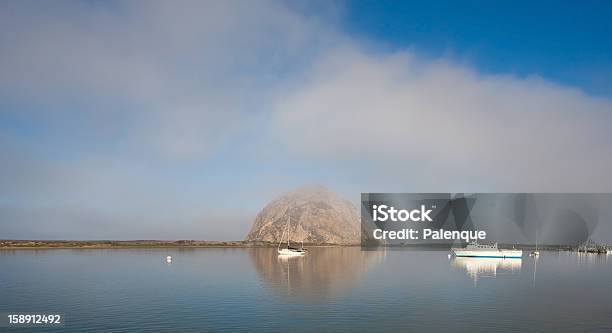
x,y
564,41
144,119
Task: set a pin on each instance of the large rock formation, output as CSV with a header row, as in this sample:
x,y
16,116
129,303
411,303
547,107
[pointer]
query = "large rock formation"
x,y
318,216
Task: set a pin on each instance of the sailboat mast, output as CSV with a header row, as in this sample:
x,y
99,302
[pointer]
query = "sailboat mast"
x,y
281,240
288,223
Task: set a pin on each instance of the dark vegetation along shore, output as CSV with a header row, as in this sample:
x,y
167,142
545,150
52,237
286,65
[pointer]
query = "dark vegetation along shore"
x,y
109,244
104,244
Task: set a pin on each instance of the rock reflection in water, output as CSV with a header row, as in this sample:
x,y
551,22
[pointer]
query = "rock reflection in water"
x,y
322,272
486,267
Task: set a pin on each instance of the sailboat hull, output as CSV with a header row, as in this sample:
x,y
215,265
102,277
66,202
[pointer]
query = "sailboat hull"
x,y
488,254
291,252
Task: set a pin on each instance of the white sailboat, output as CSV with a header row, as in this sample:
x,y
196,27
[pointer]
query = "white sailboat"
x,y
289,250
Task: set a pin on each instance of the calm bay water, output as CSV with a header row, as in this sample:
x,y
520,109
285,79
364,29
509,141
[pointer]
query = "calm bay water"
x,y
330,290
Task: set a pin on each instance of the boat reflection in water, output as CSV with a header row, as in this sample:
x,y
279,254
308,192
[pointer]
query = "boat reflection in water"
x,y
477,268
322,273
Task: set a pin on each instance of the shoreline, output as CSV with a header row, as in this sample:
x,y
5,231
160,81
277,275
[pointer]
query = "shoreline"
x,y
198,244
139,244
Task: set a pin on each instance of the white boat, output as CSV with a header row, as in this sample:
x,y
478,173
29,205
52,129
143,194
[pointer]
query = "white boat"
x,y
485,251
290,250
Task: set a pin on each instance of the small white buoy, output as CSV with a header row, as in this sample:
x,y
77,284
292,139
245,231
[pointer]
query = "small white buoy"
x,y
169,259
449,256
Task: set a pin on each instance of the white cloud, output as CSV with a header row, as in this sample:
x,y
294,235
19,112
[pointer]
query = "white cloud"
x,y
436,124
126,101
185,73
119,106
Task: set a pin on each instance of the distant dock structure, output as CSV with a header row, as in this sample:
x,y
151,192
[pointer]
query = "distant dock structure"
x,y
592,247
